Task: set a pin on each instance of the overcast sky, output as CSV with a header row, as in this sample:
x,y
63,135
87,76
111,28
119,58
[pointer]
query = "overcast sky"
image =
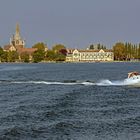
x,y
74,23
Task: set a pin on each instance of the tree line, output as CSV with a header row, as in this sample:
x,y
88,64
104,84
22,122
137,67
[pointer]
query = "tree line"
x,y
126,51
42,53
122,52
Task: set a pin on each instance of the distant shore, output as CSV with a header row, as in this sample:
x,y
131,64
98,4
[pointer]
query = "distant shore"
x,y
45,62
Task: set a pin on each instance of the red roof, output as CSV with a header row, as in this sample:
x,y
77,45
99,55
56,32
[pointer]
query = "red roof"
x,y
27,50
105,50
7,47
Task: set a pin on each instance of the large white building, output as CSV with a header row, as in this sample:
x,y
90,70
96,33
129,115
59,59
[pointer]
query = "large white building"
x,y
89,55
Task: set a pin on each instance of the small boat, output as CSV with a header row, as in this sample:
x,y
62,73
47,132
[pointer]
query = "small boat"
x,y
134,75
133,79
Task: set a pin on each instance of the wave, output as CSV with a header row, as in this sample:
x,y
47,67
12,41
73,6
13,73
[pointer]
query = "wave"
x,y
106,82
66,82
110,83
54,83
125,82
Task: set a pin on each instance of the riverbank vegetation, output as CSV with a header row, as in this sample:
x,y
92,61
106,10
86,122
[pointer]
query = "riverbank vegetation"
x,y
126,51
42,53
122,52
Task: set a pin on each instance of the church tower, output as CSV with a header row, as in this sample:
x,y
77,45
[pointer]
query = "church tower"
x,y
17,34
16,41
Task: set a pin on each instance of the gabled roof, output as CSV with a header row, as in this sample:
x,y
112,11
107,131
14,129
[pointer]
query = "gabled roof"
x,y
19,46
105,50
27,50
70,50
7,47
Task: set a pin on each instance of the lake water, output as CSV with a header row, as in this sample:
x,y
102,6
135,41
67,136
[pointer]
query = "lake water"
x,y
68,102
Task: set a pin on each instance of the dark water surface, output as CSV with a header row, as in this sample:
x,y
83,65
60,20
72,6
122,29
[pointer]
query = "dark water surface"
x,y
63,102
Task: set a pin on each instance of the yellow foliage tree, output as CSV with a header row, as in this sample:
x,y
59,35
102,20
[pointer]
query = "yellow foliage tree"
x,y
119,51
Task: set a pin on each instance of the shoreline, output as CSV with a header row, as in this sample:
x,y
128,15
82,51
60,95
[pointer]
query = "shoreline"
x,y
54,62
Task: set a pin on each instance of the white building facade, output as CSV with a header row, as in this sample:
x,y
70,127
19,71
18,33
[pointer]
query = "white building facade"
x,y
90,55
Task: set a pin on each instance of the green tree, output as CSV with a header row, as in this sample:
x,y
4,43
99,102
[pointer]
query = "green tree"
x,y
4,57
1,53
24,57
40,53
91,47
60,57
99,46
51,55
40,46
12,56
38,56
56,48
58,53
129,54
139,51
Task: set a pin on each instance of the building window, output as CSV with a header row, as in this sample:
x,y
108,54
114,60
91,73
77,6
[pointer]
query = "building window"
x,y
17,42
75,54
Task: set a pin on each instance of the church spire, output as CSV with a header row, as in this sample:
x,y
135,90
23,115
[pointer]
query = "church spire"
x,y
17,34
16,40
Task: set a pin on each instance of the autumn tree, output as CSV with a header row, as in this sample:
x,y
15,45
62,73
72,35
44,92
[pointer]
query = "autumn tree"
x,y
119,51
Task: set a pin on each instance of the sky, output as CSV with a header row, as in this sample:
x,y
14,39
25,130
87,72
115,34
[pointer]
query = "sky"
x,y
74,23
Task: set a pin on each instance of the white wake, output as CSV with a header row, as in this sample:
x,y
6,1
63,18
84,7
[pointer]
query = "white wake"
x,y
125,82
53,83
106,82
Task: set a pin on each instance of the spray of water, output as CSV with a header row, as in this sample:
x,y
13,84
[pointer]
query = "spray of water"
x,y
106,82
54,83
124,82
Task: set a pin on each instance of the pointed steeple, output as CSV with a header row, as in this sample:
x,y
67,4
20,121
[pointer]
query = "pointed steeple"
x,y
16,40
17,34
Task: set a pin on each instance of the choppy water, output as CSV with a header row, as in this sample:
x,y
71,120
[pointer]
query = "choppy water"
x,y
69,102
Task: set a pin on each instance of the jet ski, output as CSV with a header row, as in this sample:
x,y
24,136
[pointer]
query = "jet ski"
x,y
134,75
133,78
